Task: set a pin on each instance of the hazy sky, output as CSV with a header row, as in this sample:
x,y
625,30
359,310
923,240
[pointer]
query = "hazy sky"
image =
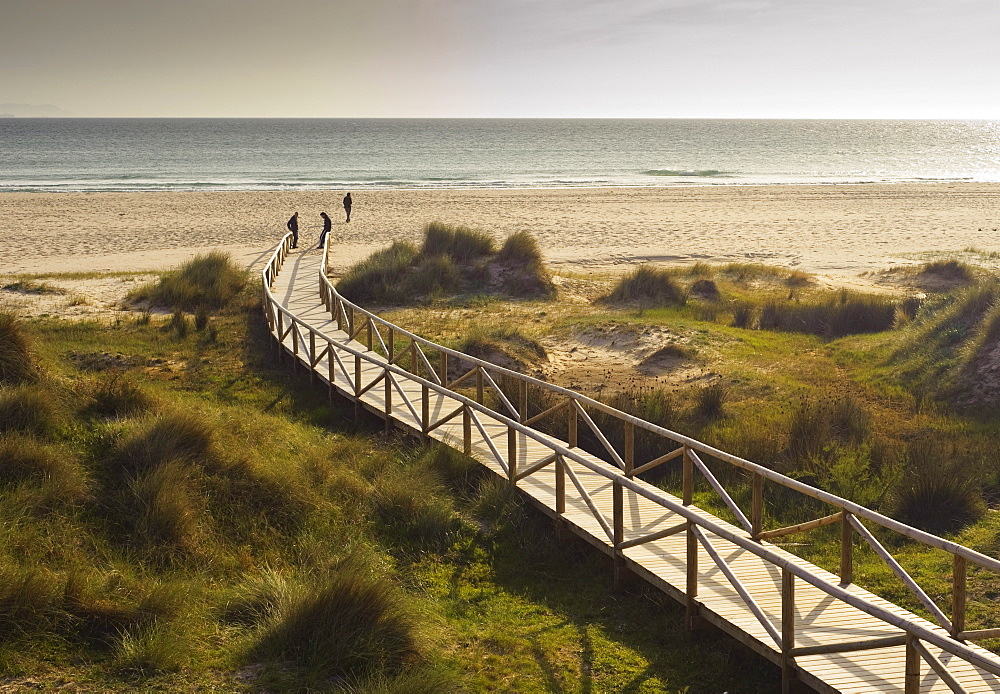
x,y
558,58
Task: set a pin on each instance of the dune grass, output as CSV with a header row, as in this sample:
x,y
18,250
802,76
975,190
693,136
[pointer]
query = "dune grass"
x,y
647,286
16,362
451,261
208,282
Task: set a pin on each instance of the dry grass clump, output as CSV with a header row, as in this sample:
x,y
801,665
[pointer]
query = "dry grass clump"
x,y
647,286
452,260
207,282
16,363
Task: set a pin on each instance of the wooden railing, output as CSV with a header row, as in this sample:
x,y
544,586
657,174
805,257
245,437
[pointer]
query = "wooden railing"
x,y
390,347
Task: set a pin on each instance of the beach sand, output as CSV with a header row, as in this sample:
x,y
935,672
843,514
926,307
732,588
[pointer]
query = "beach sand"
x,y
839,230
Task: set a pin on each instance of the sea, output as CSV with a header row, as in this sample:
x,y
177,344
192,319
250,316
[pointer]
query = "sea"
x,y
110,154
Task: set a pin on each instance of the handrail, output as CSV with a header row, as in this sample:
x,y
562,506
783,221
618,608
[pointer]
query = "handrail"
x,y
931,634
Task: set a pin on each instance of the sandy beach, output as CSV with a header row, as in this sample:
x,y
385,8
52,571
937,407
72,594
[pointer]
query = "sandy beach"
x,y
834,230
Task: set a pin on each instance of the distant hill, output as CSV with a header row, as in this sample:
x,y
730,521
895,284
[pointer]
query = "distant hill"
x,y
32,111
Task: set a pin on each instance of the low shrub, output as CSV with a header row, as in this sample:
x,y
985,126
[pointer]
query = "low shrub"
x,y
16,363
815,423
208,281
348,625
647,286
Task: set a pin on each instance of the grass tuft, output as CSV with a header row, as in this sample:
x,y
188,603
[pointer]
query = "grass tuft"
x,y
647,286
30,410
118,395
207,282
175,436
16,363
350,625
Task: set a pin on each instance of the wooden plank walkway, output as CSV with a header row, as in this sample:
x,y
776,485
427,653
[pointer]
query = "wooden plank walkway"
x,y
797,604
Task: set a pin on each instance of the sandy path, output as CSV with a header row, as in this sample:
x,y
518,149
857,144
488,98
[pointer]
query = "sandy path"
x,y
831,229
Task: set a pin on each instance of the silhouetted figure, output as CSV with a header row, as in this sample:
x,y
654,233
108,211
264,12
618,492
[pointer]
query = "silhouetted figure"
x,y
293,226
326,228
347,206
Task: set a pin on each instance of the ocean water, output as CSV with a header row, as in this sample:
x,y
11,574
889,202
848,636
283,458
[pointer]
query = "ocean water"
x,y
357,154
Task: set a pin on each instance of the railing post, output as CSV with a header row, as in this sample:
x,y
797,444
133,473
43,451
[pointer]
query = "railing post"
x,y
958,571
350,323
787,629
392,345
691,588
512,455
757,506
414,365
619,533
560,485
357,385
337,313
331,370
911,681
629,448
467,430
846,549
688,478
281,332
368,330
388,400
312,356
479,384
571,420
523,397
425,412
444,369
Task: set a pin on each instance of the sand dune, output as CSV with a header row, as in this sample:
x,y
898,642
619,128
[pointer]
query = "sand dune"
x,y
829,229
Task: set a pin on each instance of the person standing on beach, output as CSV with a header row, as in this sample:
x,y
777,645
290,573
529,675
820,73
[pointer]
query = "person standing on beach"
x,y
347,206
326,228
293,226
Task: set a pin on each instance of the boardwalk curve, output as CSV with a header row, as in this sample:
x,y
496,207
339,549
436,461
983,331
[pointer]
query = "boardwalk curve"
x,y
820,628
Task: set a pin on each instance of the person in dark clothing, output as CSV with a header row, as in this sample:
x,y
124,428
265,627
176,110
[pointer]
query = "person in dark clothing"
x,y
293,226
326,228
347,206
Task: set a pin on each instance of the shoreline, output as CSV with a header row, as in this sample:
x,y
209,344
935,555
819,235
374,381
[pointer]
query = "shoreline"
x,y
830,229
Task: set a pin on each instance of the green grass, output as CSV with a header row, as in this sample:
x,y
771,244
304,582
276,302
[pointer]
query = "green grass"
x,y
195,516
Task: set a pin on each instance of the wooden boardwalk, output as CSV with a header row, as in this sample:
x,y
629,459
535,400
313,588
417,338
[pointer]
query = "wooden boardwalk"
x,y
820,628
